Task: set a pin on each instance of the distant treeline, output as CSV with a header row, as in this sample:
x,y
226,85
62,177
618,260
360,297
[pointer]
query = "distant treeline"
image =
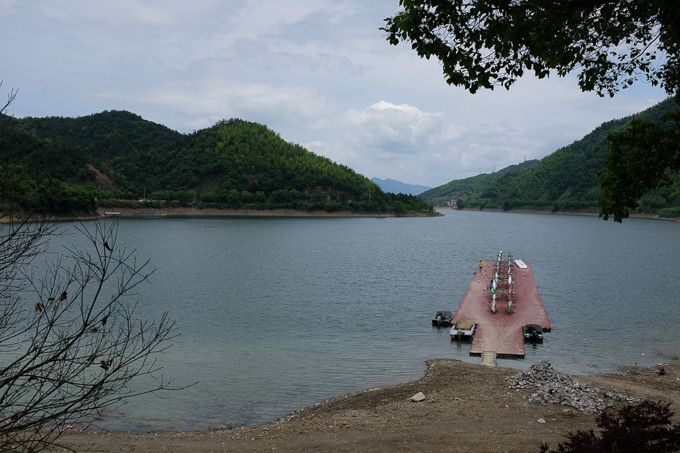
x,y
562,181
117,159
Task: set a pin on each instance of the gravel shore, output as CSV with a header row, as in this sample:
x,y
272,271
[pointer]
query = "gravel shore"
x,y
467,407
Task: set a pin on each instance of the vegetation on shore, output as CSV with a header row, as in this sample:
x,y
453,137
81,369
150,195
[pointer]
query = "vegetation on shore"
x,y
564,181
114,159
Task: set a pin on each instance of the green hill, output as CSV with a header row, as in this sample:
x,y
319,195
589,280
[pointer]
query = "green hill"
x,y
117,159
107,135
472,187
562,181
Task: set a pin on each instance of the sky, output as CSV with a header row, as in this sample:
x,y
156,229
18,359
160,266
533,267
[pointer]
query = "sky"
x,y
320,73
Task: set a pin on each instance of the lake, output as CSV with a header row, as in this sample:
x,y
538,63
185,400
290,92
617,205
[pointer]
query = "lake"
x,y
280,313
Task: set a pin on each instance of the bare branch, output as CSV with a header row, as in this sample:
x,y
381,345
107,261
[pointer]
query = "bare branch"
x,y
10,98
70,340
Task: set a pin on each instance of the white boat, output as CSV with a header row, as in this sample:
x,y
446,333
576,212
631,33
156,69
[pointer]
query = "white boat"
x,y
463,329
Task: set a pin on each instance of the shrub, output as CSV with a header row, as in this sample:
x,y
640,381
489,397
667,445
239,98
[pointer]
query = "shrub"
x,y
670,212
634,428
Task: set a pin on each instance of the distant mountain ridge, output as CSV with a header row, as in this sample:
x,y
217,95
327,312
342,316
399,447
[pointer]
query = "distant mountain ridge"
x,y
394,186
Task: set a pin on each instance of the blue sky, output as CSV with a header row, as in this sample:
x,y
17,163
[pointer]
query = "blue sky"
x,y
317,72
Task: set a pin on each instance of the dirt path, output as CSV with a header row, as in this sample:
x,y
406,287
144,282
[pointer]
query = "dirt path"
x,y
467,407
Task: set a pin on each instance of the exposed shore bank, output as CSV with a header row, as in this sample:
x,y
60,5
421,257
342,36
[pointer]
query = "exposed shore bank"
x,y
195,212
210,212
467,407
547,212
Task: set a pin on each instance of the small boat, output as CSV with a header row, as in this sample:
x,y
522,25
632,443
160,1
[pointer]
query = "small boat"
x,y
463,329
442,319
533,333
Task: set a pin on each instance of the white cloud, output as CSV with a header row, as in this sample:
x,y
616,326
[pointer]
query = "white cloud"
x,y
112,14
195,107
393,128
318,72
402,141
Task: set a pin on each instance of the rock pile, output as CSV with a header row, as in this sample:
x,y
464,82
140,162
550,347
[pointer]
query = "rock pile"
x,y
559,388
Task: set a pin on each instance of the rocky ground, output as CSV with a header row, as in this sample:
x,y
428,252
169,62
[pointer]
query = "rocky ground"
x,y
466,407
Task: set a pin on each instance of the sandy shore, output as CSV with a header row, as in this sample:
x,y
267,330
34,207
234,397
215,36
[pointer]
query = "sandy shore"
x,y
191,212
195,212
586,213
467,408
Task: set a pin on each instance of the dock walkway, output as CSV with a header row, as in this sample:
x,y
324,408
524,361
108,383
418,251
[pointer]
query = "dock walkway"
x,y
501,332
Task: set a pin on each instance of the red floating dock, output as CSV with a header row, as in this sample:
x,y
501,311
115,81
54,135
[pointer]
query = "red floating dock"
x,y
501,332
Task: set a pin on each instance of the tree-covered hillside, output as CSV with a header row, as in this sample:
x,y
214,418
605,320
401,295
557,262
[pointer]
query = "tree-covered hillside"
x,y
457,192
118,159
562,181
107,135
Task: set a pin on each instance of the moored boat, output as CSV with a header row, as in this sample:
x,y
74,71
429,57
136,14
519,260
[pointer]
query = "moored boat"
x,y
463,329
533,333
442,319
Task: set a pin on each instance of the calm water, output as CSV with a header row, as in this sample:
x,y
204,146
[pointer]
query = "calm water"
x,y
279,313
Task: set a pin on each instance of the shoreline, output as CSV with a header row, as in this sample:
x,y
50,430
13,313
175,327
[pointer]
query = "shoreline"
x,y
468,406
547,212
244,212
103,213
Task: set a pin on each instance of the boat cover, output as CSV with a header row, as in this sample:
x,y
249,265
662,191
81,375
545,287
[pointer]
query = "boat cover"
x,y
464,324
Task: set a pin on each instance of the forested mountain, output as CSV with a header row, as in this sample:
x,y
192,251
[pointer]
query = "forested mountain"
x,y
562,181
460,190
107,135
67,165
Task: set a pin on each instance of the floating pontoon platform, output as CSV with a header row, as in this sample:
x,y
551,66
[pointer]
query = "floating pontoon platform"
x,y
499,332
